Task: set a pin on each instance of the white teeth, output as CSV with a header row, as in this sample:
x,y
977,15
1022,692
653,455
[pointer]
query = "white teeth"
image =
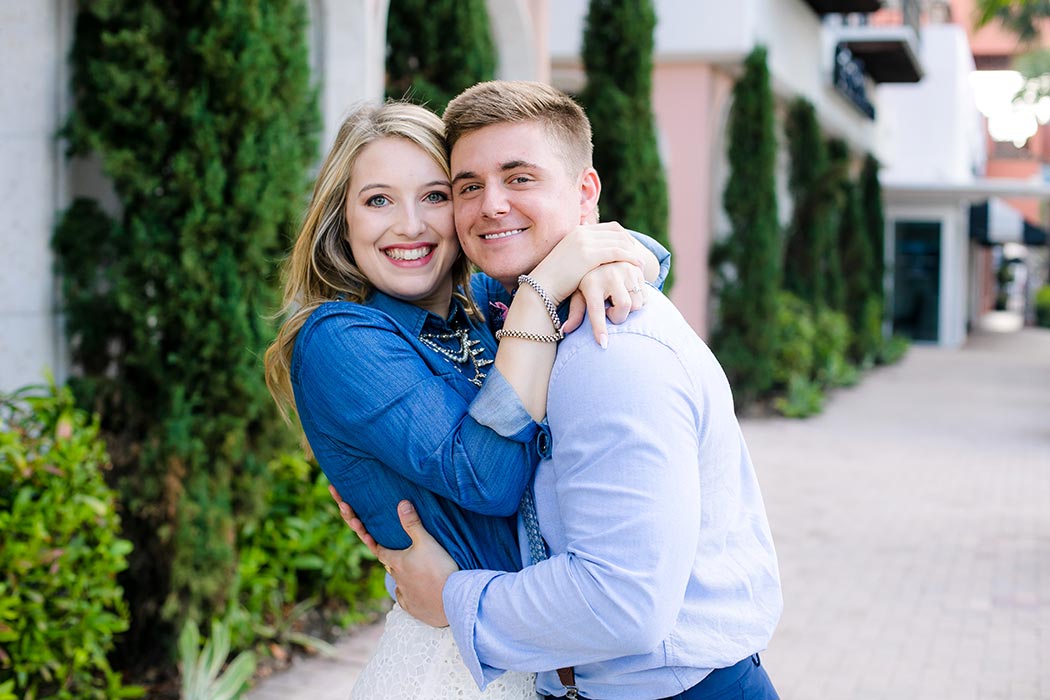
x,y
408,253
504,234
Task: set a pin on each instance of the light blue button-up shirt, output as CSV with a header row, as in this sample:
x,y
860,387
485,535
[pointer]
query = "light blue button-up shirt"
x,y
662,564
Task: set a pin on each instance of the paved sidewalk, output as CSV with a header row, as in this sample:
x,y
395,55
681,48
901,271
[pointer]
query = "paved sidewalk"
x,y
912,522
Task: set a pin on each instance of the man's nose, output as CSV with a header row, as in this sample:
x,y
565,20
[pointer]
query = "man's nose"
x,y
494,203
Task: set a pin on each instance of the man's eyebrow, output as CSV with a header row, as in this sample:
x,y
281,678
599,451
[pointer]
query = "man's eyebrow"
x,y
504,167
515,164
465,175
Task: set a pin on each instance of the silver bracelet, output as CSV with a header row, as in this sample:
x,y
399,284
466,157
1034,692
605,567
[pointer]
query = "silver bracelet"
x,y
525,335
552,310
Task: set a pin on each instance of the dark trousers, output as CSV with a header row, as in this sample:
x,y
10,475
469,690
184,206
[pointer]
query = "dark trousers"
x,y
744,680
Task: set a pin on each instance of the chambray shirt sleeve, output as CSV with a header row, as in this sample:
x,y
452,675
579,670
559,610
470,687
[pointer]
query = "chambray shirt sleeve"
x,y
624,422
369,390
663,256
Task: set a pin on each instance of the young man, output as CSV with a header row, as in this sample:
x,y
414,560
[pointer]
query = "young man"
x,y
661,579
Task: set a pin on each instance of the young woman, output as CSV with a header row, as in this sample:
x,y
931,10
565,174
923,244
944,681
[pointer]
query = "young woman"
x,y
395,375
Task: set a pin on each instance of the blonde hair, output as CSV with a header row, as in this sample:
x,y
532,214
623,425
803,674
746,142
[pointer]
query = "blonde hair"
x,y
321,267
508,101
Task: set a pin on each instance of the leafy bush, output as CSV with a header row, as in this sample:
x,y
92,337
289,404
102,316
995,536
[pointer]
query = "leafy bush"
x,y
436,49
299,549
203,677
893,349
1042,306
811,263
802,399
203,115
618,57
60,605
832,341
796,336
748,263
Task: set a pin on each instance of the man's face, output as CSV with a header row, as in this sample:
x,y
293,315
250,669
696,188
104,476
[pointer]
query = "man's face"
x,y
513,198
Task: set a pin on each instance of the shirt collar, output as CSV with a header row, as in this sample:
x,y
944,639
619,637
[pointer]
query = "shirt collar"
x,y
415,318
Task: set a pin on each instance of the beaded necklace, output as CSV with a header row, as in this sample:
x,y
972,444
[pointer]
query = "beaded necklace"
x,y
467,351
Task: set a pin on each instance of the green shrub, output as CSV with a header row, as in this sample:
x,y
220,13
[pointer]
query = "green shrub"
x,y
203,115
796,336
436,49
1042,306
203,676
299,549
893,349
618,57
747,264
832,341
60,604
803,398
873,224
811,269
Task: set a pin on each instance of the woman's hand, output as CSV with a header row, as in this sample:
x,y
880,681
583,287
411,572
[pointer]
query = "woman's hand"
x,y
580,252
619,284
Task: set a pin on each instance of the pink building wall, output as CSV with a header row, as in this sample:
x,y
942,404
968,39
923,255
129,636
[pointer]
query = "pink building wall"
x,y
689,101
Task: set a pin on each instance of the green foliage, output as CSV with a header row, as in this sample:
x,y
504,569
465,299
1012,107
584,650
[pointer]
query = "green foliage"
x,y
204,118
618,58
873,223
893,349
203,677
802,399
796,339
832,341
1042,306
60,605
1021,17
299,549
811,267
749,273
436,49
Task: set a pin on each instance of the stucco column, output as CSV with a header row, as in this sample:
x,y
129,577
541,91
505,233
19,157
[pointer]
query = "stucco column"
x,y
348,40
32,82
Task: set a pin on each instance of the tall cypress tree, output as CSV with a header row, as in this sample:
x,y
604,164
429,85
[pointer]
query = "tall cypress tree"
x,y
618,58
809,251
205,120
436,49
874,222
748,261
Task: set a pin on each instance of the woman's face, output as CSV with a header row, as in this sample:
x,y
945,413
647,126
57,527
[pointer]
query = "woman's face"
x,y
399,220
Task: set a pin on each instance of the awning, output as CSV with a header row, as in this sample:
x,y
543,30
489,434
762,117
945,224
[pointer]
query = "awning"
x,y
994,222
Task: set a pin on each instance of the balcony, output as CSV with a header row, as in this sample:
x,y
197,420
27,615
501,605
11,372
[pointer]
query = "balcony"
x,y
844,7
886,43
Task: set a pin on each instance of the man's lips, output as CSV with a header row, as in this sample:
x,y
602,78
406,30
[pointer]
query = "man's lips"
x,y
409,253
498,235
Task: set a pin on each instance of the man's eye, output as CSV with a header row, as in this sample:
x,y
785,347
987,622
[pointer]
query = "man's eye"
x,y
467,189
520,179
379,200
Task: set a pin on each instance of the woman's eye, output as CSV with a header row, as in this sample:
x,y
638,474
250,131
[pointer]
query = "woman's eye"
x,y
378,200
436,197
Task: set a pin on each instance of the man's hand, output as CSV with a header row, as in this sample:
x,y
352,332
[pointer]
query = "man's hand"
x,y
419,572
351,519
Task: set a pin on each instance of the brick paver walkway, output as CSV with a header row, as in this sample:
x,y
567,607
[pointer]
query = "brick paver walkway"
x,y
912,521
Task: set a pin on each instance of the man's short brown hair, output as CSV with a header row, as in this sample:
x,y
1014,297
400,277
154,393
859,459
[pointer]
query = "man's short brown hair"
x,y
508,101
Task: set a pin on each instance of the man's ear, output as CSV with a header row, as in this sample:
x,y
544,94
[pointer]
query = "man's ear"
x,y
590,191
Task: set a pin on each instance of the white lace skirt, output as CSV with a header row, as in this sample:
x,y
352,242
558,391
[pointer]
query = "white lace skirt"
x,y
414,661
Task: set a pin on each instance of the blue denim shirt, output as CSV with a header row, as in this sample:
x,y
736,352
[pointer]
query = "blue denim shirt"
x,y
389,418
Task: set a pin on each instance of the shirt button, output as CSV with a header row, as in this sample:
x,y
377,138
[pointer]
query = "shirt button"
x,y
543,442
